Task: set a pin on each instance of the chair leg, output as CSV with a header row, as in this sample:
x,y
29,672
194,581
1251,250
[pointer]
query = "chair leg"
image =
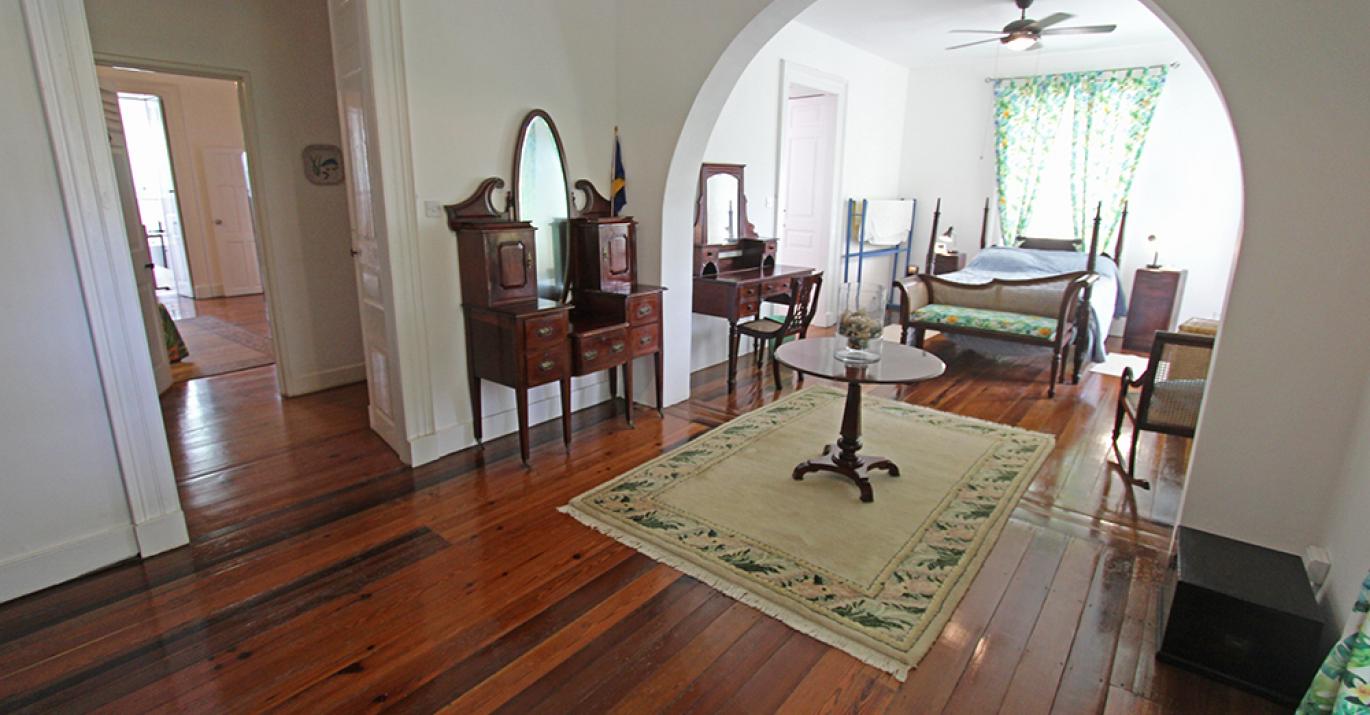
x,y
918,338
1118,418
756,351
904,335
775,364
1055,372
732,357
1132,454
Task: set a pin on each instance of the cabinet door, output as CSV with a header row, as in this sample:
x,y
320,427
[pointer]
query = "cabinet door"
x,y
512,275
617,259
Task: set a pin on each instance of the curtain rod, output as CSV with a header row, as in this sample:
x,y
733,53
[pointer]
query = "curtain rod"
x,y
1171,65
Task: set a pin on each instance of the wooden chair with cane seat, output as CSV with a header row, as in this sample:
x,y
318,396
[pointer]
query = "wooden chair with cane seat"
x,y
1166,397
803,303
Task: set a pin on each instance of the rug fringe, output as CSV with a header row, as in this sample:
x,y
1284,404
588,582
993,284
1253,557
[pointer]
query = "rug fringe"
x,y
861,652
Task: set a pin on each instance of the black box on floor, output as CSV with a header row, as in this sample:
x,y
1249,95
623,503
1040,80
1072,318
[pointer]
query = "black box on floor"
x,y
1243,614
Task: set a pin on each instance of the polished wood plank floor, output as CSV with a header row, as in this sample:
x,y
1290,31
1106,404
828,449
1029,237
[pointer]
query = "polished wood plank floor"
x,y
324,575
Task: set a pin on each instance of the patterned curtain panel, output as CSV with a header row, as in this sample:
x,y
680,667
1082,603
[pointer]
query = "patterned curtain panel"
x,y
1027,113
1113,112
1342,685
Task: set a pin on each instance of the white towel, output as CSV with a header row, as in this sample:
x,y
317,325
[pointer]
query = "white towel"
x,y
888,222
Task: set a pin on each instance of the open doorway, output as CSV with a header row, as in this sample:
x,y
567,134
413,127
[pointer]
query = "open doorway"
x,y
191,191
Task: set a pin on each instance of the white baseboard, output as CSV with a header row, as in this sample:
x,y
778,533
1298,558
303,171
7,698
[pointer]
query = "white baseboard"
x,y
208,290
454,438
38,570
161,533
324,379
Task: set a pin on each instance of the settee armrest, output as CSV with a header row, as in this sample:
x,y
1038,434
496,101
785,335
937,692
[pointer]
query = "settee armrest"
x,y
913,294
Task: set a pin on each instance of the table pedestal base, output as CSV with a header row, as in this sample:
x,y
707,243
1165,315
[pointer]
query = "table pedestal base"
x,y
853,468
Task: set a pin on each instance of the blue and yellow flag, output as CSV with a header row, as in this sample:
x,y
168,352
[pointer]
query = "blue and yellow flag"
x,y
618,188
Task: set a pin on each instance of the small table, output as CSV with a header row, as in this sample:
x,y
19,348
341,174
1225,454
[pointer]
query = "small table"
x,y
898,364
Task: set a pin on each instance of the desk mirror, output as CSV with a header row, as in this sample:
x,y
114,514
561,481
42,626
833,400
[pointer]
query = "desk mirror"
x,y
721,208
542,196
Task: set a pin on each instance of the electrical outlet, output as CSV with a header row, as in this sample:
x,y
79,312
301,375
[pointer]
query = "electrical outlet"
x,y
432,209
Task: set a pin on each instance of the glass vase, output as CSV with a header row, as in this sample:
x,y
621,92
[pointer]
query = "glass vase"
x,y
860,322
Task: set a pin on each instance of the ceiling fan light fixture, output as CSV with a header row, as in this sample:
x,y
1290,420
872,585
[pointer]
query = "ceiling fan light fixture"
x,y
1019,42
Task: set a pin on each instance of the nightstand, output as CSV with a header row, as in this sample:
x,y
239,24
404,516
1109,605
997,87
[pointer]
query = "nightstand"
x,y
1154,305
947,262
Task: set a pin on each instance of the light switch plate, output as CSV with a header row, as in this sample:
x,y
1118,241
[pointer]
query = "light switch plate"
x,y
432,209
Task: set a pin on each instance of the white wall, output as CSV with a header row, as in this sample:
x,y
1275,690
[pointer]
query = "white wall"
x,y
1343,528
62,505
748,132
201,113
1187,190
305,242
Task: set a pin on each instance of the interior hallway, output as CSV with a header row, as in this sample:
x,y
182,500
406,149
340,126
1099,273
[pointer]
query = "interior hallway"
x,y
223,334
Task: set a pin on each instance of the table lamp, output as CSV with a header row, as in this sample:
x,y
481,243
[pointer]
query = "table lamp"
x,y
946,244
1156,252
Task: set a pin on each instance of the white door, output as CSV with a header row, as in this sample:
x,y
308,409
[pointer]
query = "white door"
x,y
807,209
351,68
137,243
230,213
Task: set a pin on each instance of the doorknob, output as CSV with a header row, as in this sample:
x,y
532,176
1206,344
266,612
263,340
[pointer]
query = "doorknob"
x,y
218,222
355,252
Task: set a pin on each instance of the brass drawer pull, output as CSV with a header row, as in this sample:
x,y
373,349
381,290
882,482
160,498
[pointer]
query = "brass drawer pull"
x,y
544,331
590,354
644,309
645,340
616,348
546,365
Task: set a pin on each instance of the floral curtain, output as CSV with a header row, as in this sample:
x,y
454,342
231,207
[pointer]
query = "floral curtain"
x,y
1342,685
1027,113
1110,114
1113,112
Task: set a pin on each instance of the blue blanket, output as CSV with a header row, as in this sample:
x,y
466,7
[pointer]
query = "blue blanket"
x,y
1106,302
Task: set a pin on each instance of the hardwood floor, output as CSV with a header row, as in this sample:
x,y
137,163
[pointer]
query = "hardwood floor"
x,y
324,575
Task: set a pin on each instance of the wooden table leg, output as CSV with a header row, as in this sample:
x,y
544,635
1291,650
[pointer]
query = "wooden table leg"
x,y
521,401
566,412
473,384
656,365
732,355
613,384
628,391
842,457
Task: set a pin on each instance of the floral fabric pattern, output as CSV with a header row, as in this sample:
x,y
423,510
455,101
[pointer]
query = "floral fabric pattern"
x,y
1342,685
993,320
1110,114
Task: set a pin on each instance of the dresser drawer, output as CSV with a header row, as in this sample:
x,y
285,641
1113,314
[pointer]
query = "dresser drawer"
x,y
546,366
645,339
749,291
600,352
747,307
544,331
643,308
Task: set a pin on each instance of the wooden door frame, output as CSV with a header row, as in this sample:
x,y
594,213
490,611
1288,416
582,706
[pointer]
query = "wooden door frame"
x,y
65,68
795,73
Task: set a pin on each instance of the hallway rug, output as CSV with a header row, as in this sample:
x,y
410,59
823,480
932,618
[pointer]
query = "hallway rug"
x,y
876,580
218,346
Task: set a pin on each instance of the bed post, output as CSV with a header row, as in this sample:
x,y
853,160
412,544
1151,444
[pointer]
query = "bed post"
x,y
984,224
932,237
1084,312
1122,232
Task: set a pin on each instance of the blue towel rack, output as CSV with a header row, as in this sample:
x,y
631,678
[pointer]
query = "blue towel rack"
x,y
856,231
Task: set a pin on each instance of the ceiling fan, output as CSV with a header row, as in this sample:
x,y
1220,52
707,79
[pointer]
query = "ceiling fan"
x,y
1024,33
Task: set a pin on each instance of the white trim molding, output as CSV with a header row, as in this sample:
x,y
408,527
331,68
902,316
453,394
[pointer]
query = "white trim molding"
x,y
65,66
33,572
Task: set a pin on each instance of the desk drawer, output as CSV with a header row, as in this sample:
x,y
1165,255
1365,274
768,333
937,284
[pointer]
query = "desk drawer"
x,y
749,291
747,307
643,308
544,331
780,287
600,352
546,366
645,339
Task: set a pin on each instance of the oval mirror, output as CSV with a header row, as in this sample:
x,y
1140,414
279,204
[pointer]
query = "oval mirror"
x,y
542,197
721,192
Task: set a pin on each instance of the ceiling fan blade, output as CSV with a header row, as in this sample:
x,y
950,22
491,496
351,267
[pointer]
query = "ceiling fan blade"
x,y
1056,18
1082,30
977,42
978,32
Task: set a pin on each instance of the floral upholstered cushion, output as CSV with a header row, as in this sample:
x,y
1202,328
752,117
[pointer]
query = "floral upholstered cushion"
x,y
996,321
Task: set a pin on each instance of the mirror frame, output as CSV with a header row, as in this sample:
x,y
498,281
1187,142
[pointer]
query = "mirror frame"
x,y
707,170
515,209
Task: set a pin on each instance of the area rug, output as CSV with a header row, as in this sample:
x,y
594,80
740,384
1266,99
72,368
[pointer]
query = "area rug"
x,y
217,346
877,580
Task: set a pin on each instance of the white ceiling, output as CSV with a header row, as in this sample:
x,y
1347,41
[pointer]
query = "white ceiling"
x,y
915,33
